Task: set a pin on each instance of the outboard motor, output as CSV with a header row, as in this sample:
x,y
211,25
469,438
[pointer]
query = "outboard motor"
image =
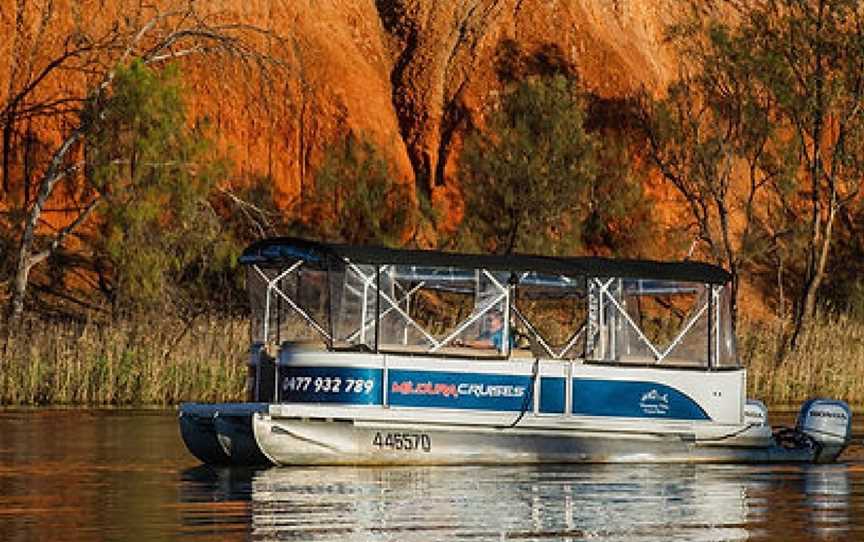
x,y
829,423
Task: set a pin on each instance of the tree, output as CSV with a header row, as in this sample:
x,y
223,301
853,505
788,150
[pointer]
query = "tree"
x,y
526,177
356,199
711,153
158,236
618,215
84,66
787,100
810,58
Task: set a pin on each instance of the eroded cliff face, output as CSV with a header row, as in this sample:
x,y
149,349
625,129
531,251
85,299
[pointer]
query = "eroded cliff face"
x,y
411,75
444,74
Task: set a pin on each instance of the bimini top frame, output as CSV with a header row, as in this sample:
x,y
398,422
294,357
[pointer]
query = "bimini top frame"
x,y
377,284
287,250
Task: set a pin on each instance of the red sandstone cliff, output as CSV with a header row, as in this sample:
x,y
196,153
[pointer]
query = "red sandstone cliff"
x,y
410,74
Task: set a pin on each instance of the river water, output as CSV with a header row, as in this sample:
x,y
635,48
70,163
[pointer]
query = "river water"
x,y
125,475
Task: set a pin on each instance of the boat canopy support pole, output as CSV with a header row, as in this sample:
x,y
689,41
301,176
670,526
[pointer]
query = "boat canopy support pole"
x,y
714,327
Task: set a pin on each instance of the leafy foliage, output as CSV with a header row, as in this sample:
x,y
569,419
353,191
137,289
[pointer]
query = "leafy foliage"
x,y
552,170
159,238
768,127
536,182
618,217
356,198
806,60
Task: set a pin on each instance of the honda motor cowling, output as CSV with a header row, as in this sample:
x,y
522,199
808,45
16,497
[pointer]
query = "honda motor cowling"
x,y
829,423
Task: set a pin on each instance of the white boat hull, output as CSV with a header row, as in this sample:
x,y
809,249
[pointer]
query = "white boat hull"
x,y
304,441
412,411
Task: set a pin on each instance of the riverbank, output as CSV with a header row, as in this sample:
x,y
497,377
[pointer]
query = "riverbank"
x,y
163,363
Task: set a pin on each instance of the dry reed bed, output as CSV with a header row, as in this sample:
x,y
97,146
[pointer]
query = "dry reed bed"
x,y
135,363
829,361
165,362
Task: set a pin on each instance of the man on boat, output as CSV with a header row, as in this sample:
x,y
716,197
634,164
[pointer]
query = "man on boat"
x,y
493,337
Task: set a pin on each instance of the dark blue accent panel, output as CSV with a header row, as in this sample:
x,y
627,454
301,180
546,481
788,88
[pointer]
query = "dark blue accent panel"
x,y
346,385
633,400
438,389
552,397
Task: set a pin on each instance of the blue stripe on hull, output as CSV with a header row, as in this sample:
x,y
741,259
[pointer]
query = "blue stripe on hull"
x,y
552,397
628,399
481,391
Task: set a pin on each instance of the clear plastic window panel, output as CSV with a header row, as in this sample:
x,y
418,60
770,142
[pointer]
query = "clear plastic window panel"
x,y
663,322
409,311
552,316
303,306
289,305
427,309
354,306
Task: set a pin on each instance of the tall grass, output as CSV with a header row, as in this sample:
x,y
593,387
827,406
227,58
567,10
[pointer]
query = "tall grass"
x,y
165,362
828,362
124,363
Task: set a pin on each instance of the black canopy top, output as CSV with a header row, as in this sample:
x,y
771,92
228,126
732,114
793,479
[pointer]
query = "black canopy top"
x,y
282,250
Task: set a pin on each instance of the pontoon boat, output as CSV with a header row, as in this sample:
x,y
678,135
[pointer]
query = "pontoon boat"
x,y
359,356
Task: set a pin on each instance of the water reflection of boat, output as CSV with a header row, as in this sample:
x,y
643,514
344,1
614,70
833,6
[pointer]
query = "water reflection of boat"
x,y
366,355
827,488
683,502
556,502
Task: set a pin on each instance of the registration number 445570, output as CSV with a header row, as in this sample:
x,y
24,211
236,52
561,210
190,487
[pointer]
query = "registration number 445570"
x,y
420,442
